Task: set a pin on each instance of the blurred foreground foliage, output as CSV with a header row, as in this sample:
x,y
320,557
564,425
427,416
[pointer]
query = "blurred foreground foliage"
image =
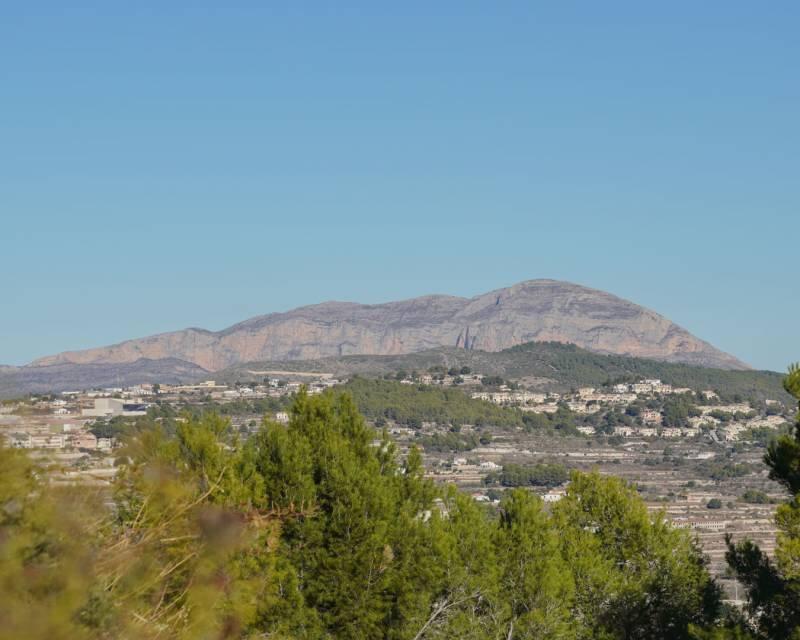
x,y
319,529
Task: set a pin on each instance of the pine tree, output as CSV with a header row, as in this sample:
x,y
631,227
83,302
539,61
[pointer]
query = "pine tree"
x,y
773,588
636,575
537,585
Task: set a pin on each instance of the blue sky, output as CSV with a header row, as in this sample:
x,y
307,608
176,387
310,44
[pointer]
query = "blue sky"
x,y
166,165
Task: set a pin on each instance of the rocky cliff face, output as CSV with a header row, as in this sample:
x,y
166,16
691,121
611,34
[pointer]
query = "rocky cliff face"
x,y
537,310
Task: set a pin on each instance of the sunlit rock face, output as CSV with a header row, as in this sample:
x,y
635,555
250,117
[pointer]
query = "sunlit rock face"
x,y
536,310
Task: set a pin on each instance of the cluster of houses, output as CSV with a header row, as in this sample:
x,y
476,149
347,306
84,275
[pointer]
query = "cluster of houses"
x,y
585,400
727,432
504,397
732,431
486,466
46,428
70,438
445,380
649,386
588,400
271,387
132,401
650,432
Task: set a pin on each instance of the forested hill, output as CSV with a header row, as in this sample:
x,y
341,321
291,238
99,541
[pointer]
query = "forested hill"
x,y
547,365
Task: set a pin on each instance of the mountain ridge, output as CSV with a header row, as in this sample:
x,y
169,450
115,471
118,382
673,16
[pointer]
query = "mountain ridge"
x,y
533,310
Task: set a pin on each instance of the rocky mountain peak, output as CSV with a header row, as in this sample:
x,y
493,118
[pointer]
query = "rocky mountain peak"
x,y
534,310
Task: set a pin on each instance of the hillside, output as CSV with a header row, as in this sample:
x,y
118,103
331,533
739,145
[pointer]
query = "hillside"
x,y
411,405
536,310
547,365
544,365
16,381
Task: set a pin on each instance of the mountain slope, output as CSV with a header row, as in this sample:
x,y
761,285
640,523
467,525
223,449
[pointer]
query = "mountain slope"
x,y
548,366
536,310
18,381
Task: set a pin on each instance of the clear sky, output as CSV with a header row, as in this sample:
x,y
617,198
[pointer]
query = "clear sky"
x,y
165,165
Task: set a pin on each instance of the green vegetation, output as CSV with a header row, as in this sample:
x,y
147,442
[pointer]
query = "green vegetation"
x,y
166,417
414,405
565,365
450,441
754,496
111,428
678,409
561,366
570,364
537,475
722,416
161,416
763,436
773,587
721,470
411,405
312,530
240,406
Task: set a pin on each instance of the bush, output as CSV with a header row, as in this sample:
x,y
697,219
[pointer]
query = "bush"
x,y
537,475
753,496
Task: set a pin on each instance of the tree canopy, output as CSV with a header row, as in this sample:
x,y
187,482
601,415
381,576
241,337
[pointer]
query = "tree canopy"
x,y
320,529
773,586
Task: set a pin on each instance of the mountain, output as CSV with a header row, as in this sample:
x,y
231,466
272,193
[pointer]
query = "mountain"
x,y
536,310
